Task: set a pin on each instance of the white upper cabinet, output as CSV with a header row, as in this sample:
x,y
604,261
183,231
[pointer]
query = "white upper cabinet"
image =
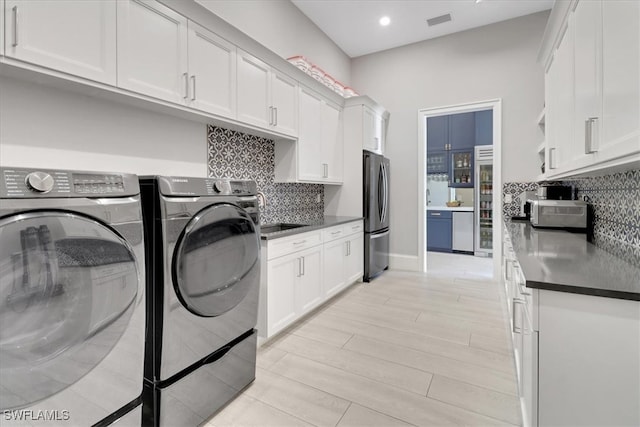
x,y
593,89
310,163
266,98
284,103
366,123
620,132
254,90
332,142
212,72
319,151
373,131
152,50
75,37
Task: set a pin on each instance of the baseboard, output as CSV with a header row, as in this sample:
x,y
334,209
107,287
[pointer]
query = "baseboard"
x,y
404,262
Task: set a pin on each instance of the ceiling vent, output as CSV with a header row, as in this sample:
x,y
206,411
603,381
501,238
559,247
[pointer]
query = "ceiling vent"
x,y
439,20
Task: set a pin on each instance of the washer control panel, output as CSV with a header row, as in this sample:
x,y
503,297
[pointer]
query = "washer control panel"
x,y
29,183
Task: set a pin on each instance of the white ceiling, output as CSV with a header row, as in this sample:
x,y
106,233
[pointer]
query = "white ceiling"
x,y
353,24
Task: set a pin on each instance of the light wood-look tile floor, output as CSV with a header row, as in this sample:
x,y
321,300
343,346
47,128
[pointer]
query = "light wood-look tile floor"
x,y
406,349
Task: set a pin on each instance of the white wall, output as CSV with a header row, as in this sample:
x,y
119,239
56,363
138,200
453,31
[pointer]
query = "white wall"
x,y
49,128
495,61
280,26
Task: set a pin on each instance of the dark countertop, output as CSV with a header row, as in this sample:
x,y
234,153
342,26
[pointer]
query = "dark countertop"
x,y
561,261
327,221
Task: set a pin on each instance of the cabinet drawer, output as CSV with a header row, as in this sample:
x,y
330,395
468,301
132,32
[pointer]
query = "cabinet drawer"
x,y
439,214
333,233
292,244
353,228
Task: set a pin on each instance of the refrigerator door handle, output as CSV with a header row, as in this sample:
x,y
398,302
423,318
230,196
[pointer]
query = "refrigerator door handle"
x,y
381,193
386,192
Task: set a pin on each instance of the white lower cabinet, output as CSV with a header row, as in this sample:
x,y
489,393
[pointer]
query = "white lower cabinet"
x,y
577,356
296,287
301,272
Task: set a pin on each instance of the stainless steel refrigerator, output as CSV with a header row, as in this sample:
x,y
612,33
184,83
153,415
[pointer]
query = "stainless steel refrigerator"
x,y
376,214
483,200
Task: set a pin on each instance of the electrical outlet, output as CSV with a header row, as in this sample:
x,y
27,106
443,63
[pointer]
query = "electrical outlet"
x,y
508,198
318,198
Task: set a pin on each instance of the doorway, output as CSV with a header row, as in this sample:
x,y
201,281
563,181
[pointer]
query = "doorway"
x,y
495,106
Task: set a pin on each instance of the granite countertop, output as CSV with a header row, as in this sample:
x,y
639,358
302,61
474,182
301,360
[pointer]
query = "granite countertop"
x,y
447,208
327,221
561,261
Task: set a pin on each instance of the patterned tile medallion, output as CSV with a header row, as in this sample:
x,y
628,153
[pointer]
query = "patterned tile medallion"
x,y
232,154
616,204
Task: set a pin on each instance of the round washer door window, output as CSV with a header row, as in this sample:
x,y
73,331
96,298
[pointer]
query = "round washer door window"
x,y
216,261
68,286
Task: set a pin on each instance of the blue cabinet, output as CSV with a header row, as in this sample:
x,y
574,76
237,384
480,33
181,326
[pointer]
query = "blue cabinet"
x,y
462,131
484,127
437,133
461,168
439,231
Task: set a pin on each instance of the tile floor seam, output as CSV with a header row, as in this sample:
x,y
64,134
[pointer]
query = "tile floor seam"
x,y
284,412
475,412
343,414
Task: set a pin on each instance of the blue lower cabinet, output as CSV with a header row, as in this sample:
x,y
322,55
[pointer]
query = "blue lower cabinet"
x,y
439,231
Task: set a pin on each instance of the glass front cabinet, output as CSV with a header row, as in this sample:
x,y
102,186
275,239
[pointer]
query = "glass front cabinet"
x,y
461,168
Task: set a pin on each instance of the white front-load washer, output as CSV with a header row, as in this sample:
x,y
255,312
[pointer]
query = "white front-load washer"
x,y
72,306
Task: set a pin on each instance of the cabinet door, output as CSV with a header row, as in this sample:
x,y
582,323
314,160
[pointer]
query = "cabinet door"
x,y
368,129
621,82
562,102
284,104
438,232
461,168
438,133
310,164
282,277
334,269
152,50
354,261
587,75
332,143
212,70
309,287
75,37
253,90
462,131
484,127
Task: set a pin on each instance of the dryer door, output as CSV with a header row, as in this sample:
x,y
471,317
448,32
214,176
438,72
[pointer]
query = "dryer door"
x,y
68,286
216,260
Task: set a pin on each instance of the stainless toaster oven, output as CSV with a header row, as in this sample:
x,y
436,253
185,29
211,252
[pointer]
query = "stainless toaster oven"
x,y
572,214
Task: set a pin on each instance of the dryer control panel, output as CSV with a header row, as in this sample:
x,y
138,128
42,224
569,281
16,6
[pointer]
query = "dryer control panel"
x,y
47,183
194,186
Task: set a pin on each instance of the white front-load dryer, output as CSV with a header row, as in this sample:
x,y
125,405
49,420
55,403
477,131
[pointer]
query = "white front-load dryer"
x,y
72,306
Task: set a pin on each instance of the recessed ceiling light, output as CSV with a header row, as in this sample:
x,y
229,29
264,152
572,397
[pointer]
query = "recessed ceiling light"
x,y
384,21
478,1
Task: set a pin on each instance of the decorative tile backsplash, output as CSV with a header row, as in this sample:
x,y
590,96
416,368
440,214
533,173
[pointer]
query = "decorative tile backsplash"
x,y
616,202
232,154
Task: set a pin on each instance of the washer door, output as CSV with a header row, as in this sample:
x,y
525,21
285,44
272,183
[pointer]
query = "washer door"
x,y
67,290
215,260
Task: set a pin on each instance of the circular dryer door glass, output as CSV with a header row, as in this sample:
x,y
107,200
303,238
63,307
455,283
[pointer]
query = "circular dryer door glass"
x,y
216,261
68,286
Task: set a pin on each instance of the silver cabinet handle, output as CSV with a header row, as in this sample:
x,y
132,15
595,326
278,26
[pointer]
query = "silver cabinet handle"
x,y
349,248
300,242
15,26
515,329
334,233
275,120
552,158
193,87
588,135
299,267
186,85
270,116
303,266
435,214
